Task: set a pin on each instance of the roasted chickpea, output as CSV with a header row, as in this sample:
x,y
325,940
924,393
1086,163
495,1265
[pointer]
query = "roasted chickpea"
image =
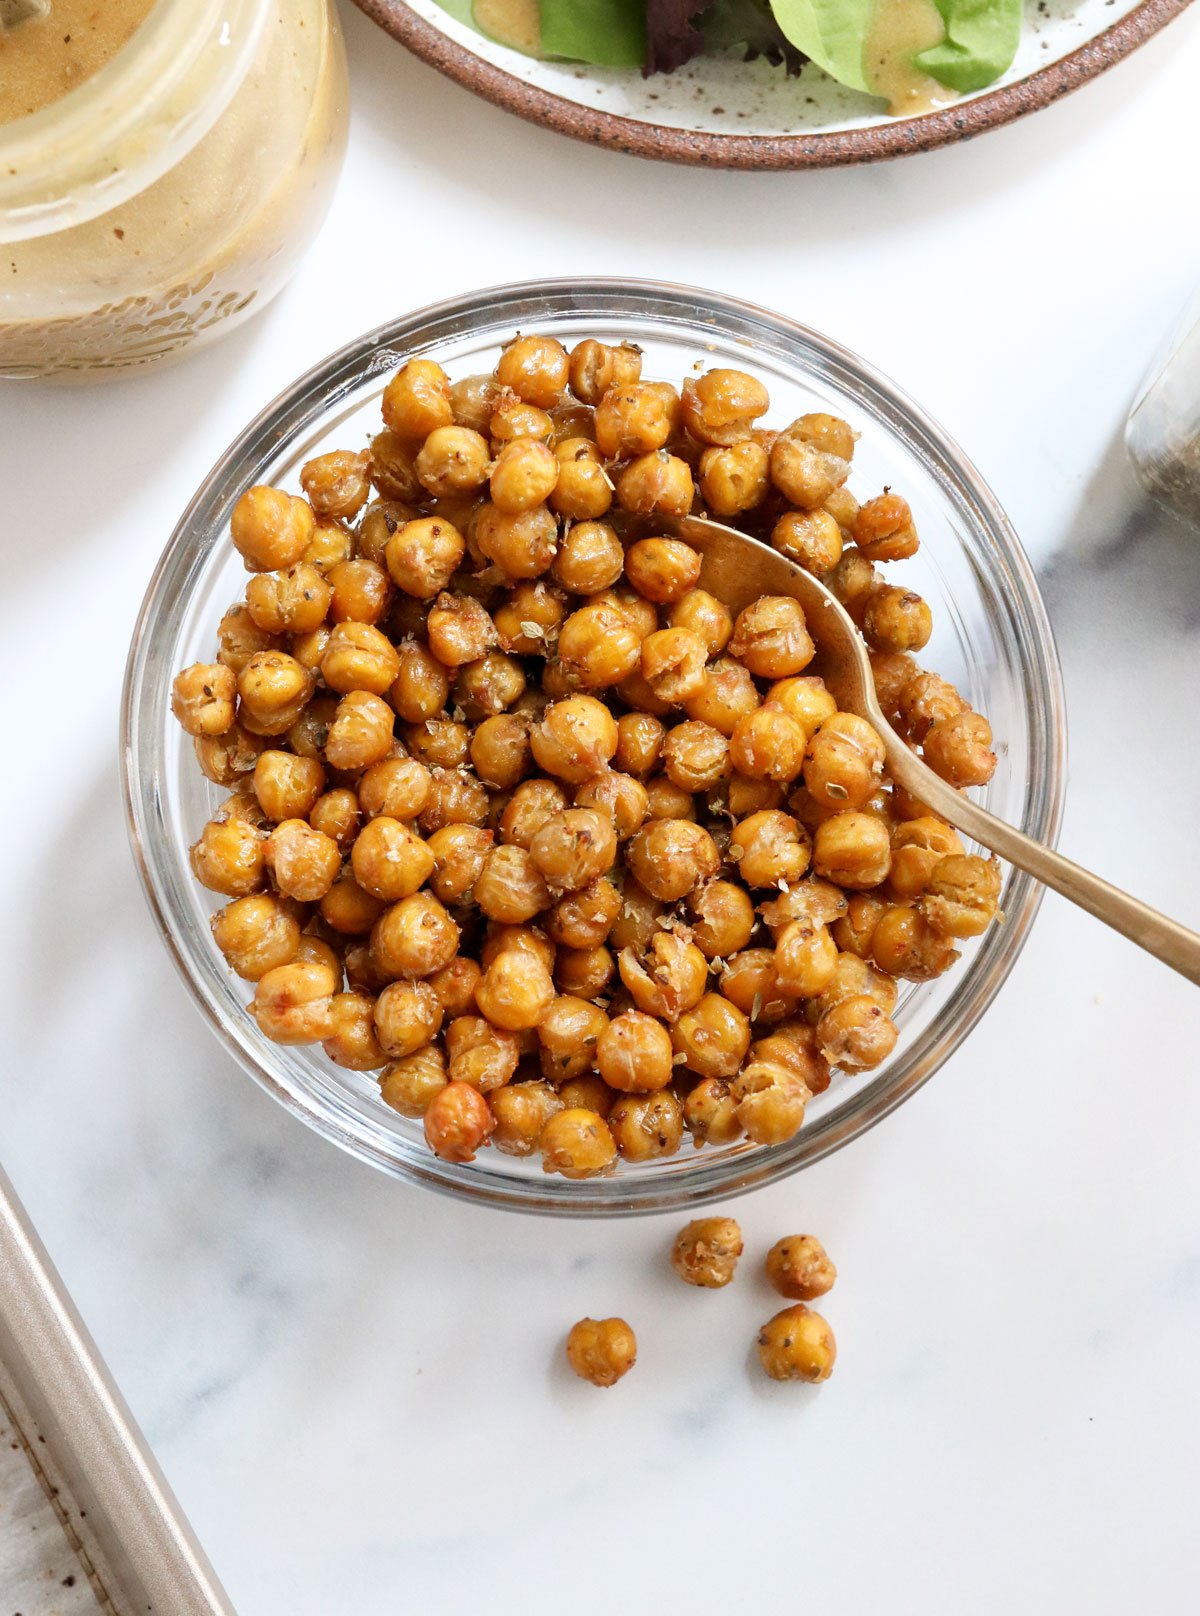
x,y
637,922
734,479
202,698
304,862
721,406
348,909
770,637
361,591
598,646
770,849
575,739
636,693
640,611
620,797
673,663
896,619
750,981
662,570
500,750
393,467
515,991
713,1037
489,686
922,700
810,538
669,857
458,852
695,756
593,369
722,917
352,1042
634,1054
574,847
414,938
706,1252
411,1085
584,972
804,474
577,1143
457,1122
853,581
521,1111
589,559
423,555
523,544
844,761
529,620
883,529
528,809
797,1344
287,786
852,850
362,732
524,475
439,743
473,399
330,543
293,1003
584,490
636,419
639,742
856,1034
771,1100
588,1092
362,973
962,895
479,1054
358,656
704,616
389,860
274,689
398,786
917,846
455,985
657,484
536,368
256,934
905,945
568,1033
585,918
513,418
767,744
827,432
728,692
854,977
745,795
804,698
793,1044
504,939
456,797
669,979
510,888
959,748
271,529
805,958
229,858
854,932
710,1113
601,1350
460,630
417,400
453,460
647,1126
239,638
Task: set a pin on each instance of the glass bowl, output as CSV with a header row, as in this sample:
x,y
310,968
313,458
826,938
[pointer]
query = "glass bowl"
x,y
991,637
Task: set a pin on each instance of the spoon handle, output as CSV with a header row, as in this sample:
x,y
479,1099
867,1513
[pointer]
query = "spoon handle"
x,y
1170,942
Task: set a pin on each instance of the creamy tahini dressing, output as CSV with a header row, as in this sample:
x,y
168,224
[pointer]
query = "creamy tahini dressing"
x,y
900,29
43,59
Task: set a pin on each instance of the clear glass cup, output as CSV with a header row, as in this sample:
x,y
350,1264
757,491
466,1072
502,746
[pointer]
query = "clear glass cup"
x,y
991,638
169,196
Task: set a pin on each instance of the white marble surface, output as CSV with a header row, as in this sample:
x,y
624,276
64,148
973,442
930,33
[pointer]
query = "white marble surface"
x,y
354,1386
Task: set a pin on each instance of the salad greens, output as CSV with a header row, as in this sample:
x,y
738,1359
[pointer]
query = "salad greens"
x,y
981,36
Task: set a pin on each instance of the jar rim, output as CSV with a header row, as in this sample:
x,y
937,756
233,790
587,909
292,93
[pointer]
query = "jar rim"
x,y
126,125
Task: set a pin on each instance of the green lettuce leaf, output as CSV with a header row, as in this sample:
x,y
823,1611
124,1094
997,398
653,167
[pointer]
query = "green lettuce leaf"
x,y
461,11
981,41
607,33
831,32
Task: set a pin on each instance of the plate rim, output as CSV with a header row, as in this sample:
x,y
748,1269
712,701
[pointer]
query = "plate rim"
x,y
828,149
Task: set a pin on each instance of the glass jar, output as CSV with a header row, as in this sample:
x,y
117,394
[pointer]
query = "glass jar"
x,y
1163,432
168,197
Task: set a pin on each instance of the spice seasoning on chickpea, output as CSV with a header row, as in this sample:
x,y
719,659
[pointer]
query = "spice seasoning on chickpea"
x,y
527,821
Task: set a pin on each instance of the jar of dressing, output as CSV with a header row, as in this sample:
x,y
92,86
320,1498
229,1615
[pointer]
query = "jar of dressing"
x,y
163,164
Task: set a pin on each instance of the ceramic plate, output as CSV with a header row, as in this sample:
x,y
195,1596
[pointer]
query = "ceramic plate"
x,y
724,112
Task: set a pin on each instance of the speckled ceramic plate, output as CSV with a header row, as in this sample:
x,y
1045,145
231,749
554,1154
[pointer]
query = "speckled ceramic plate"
x,y
726,113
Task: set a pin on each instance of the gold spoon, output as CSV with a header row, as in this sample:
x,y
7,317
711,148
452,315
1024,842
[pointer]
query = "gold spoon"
x,y
738,569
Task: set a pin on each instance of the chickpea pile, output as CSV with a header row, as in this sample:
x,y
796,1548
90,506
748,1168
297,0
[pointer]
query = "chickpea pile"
x,y
522,819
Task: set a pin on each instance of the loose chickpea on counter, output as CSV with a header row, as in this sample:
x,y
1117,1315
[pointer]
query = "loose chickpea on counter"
x,y
579,862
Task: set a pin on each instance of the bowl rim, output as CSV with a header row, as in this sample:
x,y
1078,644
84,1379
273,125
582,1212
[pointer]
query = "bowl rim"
x,y
834,148
294,411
